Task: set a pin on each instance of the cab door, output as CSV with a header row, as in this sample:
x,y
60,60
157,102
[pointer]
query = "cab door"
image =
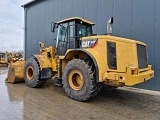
x,y
62,39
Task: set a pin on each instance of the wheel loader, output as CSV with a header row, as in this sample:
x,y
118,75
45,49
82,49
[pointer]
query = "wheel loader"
x,y
82,61
4,59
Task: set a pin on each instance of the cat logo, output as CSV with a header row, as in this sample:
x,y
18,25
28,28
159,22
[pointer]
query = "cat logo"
x,y
89,43
85,44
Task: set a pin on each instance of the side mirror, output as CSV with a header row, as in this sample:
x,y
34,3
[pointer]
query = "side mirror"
x,y
53,26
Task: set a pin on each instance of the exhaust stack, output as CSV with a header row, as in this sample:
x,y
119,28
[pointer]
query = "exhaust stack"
x,y
109,26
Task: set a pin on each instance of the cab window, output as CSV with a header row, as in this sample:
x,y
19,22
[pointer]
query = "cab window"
x,y
83,30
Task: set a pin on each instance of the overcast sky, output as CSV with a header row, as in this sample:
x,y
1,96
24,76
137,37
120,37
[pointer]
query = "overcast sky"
x,y
11,24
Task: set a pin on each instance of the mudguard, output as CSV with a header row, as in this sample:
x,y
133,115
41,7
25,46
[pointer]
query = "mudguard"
x,y
101,68
44,61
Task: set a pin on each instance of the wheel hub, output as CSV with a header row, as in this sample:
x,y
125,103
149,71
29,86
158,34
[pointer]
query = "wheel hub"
x,y
76,80
29,72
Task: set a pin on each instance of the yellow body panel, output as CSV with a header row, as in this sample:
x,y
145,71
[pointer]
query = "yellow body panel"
x,y
126,51
139,78
127,71
102,66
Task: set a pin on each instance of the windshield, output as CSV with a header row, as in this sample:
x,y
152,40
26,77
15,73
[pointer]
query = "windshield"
x,y
83,30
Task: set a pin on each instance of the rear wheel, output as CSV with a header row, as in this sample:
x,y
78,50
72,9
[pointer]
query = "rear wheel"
x,y
32,74
79,80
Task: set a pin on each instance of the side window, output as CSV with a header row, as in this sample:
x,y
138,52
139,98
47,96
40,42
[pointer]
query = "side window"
x,y
62,32
83,30
71,30
112,59
88,31
79,31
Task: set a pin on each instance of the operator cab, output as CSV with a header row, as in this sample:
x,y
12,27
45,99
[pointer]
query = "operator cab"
x,y
69,32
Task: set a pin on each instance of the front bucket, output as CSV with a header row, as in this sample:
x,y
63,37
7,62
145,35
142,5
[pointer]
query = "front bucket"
x,y
15,72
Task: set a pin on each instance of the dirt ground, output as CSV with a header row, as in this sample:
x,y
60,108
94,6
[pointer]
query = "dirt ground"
x,y
19,102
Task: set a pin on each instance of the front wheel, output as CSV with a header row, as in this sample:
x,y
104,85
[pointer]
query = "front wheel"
x,y
79,80
32,74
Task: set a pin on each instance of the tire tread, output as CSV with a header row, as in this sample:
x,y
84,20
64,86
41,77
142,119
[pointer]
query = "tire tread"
x,y
93,88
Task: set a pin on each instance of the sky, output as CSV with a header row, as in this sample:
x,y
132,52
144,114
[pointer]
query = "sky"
x,y
11,25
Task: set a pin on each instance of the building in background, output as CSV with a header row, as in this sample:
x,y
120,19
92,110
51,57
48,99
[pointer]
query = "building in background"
x,y
135,19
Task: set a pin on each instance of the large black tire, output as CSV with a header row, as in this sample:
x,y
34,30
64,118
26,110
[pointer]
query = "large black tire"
x,y
32,74
86,71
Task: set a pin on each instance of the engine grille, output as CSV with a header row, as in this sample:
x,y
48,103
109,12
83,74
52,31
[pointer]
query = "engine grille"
x,y
142,56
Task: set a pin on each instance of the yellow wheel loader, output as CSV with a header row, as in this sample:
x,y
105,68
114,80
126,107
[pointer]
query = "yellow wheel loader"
x,y
7,58
82,62
4,59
